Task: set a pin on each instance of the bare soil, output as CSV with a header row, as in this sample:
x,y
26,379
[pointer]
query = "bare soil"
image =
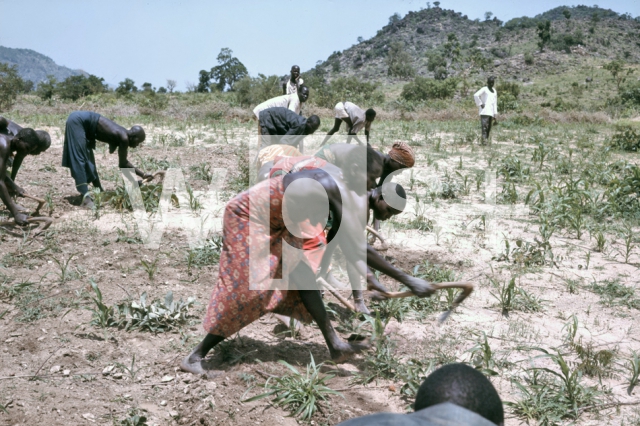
x,y
52,359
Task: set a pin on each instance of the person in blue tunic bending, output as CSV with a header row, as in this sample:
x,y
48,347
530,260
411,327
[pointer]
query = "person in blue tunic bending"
x,y
82,130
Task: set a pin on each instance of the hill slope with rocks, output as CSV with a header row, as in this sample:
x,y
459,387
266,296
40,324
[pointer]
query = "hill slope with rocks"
x,y
436,40
35,66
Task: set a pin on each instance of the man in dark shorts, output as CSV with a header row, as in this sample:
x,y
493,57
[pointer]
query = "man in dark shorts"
x,y
82,130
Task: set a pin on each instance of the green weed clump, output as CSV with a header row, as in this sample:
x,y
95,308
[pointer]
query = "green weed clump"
x,y
512,298
512,169
594,362
157,317
526,254
119,199
623,190
613,293
240,182
301,394
206,255
549,396
626,138
133,419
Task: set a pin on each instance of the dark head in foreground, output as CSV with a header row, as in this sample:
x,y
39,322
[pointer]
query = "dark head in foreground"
x,y
464,386
454,395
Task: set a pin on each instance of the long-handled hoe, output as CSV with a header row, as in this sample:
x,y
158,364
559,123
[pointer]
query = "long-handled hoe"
x,y
42,222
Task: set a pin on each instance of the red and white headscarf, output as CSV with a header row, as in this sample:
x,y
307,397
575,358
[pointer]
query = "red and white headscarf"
x,y
403,154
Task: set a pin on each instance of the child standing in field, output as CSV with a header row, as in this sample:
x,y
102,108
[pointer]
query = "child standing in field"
x,y
487,101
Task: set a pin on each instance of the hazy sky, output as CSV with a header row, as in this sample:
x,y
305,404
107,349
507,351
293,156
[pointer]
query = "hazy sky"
x,y
161,39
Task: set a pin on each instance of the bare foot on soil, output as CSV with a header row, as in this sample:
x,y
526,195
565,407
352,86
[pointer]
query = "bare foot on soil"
x,y
361,307
198,367
344,350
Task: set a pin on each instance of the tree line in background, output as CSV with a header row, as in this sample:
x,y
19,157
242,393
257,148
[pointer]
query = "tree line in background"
x,y
231,76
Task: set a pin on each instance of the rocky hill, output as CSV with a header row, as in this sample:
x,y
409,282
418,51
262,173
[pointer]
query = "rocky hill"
x,y
35,66
437,40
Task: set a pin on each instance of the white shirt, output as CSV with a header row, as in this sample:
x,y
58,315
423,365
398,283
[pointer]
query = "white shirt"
x,y
489,99
357,116
291,102
292,87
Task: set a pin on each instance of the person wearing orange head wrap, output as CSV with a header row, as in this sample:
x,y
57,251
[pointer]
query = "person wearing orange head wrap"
x,y
400,156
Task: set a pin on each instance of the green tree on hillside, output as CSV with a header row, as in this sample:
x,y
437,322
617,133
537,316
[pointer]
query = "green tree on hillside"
x,y
10,85
126,86
399,61
147,87
452,47
204,80
78,86
617,70
544,34
229,71
567,16
46,89
437,64
252,91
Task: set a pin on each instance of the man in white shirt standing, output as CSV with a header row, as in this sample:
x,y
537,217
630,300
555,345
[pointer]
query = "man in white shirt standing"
x,y
292,102
487,101
294,83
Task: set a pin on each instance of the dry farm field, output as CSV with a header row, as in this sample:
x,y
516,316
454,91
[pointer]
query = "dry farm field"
x,y
544,220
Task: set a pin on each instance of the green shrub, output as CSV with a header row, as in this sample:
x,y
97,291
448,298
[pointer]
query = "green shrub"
x,y
528,58
623,192
520,23
630,93
255,90
626,138
46,89
512,88
564,42
507,102
422,89
399,61
508,93
10,85
437,64
365,94
79,86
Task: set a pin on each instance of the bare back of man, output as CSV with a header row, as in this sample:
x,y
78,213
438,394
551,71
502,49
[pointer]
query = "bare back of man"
x,y
83,129
23,143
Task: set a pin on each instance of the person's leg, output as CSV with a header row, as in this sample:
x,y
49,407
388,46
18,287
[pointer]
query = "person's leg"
x,y
489,126
336,126
358,294
484,124
349,124
193,362
312,300
74,154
